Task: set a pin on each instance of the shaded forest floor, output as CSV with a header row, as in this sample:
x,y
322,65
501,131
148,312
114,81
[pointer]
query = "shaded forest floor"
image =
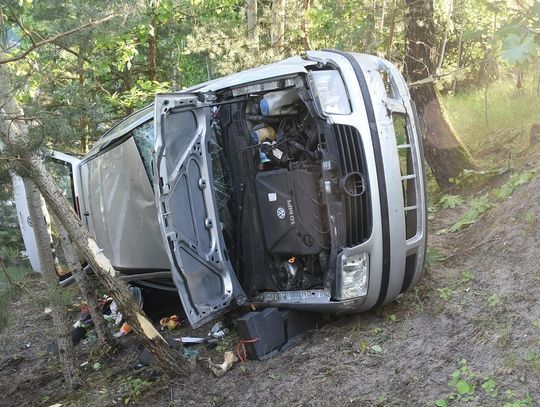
x,y
468,334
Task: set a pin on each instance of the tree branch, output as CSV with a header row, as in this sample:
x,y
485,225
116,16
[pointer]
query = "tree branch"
x,y
55,37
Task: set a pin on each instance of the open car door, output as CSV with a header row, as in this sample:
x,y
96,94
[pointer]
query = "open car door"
x,y
188,214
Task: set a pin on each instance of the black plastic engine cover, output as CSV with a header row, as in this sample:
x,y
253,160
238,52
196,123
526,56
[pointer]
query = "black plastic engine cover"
x,y
291,211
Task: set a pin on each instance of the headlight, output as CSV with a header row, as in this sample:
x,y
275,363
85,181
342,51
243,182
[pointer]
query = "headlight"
x,y
354,277
329,92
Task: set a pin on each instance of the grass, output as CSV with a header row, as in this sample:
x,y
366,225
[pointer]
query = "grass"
x,y
17,274
506,110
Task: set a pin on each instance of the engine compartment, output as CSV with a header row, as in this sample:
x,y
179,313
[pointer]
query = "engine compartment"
x,y
276,228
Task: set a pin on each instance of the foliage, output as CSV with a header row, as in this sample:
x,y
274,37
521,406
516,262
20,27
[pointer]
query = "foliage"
x,y
134,387
10,234
7,292
515,180
477,206
449,201
434,256
469,387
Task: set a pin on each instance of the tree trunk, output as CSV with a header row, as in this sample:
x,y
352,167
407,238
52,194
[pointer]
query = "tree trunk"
x,y
127,78
60,318
392,30
252,25
152,50
103,333
277,33
85,120
154,342
306,4
444,152
31,165
459,56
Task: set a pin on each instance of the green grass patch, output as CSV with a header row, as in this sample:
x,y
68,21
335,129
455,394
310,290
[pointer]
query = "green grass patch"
x,y
506,110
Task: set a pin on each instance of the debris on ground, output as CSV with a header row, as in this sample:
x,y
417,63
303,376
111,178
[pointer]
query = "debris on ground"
x,y
125,329
220,369
171,323
219,330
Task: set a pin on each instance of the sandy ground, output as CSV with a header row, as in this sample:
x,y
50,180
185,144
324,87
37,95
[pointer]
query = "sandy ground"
x,y
475,312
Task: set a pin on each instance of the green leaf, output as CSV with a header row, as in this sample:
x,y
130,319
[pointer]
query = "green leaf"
x,y
450,201
441,403
529,356
489,387
517,49
462,387
376,349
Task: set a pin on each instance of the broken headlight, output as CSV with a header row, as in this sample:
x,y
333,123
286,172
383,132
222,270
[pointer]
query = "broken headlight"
x,y
329,92
354,277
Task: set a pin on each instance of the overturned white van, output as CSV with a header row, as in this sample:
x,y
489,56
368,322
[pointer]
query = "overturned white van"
x,y
298,184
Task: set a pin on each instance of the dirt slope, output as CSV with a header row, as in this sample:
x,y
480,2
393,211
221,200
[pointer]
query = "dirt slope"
x,y
477,307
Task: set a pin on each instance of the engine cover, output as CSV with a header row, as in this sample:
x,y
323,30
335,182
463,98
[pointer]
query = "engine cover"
x,y
291,211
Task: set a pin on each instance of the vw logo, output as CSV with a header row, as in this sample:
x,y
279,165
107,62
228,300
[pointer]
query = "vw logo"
x,y
280,213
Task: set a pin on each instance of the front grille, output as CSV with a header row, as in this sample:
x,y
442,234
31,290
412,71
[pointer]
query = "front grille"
x,y
352,159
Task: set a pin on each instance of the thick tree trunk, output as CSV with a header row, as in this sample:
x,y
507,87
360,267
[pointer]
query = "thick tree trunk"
x,y
10,133
60,318
103,333
252,25
444,152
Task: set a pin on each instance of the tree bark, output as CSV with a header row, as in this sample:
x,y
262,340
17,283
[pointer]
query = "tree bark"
x,y
103,333
277,33
31,166
390,42
445,153
459,56
85,120
60,318
152,50
154,342
127,77
252,25
306,4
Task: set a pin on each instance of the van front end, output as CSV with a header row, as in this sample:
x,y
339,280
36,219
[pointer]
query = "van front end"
x,y
378,230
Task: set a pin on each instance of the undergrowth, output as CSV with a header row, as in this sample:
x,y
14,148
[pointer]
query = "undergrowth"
x,y
506,110
7,291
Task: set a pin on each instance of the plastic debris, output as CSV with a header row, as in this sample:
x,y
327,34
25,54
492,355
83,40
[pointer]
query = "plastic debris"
x,y
219,369
171,323
186,340
115,314
218,331
124,330
194,340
